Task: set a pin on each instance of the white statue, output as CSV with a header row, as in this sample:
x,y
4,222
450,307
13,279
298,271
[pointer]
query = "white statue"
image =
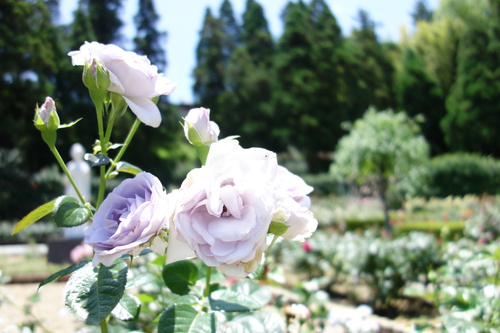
x,y
81,173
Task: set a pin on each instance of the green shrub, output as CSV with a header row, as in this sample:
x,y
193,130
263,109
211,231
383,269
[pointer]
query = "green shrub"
x,y
324,184
448,229
352,224
39,232
21,192
455,174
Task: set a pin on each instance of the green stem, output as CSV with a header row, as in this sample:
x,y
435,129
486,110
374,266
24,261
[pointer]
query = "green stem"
x,y
109,127
275,238
104,151
67,173
118,157
206,292
102,186
104,326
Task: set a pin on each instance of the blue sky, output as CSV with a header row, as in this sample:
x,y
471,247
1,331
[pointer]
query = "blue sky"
x,y
182,20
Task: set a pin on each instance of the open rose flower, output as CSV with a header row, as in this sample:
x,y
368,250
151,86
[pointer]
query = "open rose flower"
x,y
198,128
133,213
225,209
131,76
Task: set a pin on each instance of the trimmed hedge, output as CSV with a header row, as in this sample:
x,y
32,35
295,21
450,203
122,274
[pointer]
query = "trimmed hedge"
x,y
39,232
456,174
353,224
449,229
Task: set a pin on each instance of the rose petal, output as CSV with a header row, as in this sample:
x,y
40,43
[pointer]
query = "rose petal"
x,y
145,110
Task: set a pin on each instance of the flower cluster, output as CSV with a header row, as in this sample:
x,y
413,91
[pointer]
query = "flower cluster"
x,y
223,211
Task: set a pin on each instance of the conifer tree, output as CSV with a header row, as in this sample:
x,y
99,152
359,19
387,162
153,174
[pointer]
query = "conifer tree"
x,y
377,71
256,36
473,104
105,18
149,40
295,82
230,31
27,67
247,75
209,71
421,12
418,93
73,97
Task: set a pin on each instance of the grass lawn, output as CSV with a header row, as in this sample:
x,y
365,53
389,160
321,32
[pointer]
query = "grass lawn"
x,y
28,265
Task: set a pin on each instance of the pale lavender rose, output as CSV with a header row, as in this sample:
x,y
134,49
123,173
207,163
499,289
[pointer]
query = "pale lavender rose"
x,y
294,203
130,216
198,128
131,76
225,209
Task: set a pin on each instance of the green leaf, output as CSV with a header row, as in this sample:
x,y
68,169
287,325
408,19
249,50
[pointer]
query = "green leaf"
x,y
185,319
140,280
260,322
34,216
63,272
97,159
277,228
70,124
180,275
128,168
187,300
259,293
115,146
158,261
128,308
232,301
69,212
93,292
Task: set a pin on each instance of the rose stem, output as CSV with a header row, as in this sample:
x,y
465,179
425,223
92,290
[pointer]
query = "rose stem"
x,y
206,292
130,135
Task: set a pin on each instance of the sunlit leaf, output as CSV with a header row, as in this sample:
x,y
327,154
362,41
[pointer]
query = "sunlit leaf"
x,y
93,292
185,319
69,212
34,216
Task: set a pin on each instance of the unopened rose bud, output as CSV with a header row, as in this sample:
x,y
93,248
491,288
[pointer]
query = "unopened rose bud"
x,y
96,76
47,121
198,128
46,118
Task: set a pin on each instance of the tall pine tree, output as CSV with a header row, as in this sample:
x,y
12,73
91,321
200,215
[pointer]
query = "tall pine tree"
x,y
105,19
148,40
473,104
247,103
230,31
27,67
418,93
377,71
209,70
295,83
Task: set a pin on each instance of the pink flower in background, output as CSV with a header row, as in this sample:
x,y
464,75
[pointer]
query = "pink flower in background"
x,y
81,252
133,213
131,76
225,208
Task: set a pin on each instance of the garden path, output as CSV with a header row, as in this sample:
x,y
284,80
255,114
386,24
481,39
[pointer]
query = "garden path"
x,y
48,309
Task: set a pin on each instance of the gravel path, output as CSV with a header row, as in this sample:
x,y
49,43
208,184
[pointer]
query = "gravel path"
x,y
48,308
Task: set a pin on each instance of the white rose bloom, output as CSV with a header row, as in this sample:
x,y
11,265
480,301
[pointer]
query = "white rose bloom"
x,y
225,209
